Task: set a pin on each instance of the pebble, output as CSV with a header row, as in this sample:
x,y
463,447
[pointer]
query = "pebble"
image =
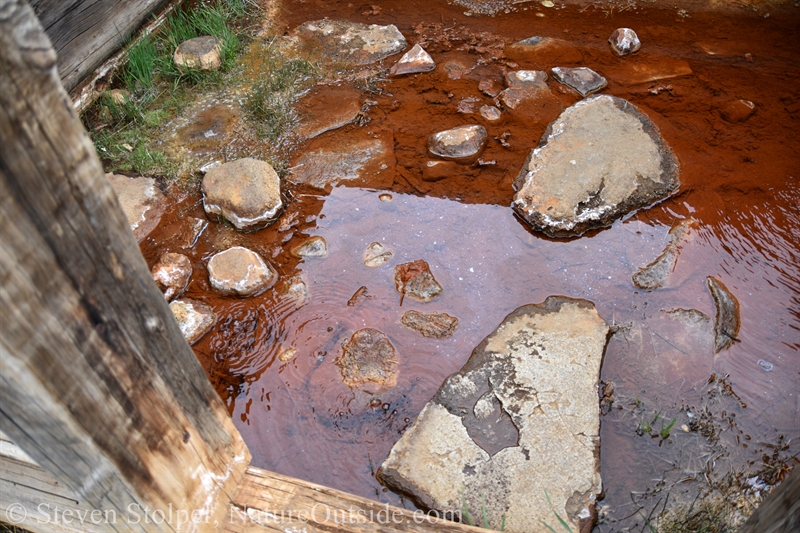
x,y
490,112
624,41
376,255
315,247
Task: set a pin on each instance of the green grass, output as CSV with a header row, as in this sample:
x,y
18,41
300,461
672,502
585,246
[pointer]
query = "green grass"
x,y
467,517
139,70
558,516
270,103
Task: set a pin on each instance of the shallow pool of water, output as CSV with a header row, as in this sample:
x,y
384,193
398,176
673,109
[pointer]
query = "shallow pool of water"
x,y
740,181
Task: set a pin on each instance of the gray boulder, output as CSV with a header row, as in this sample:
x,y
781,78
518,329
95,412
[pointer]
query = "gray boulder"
x,y
520,418
247,192
352,42
600,159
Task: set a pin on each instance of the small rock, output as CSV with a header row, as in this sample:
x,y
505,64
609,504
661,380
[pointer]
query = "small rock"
x,y
172,274
519,420
191,231
467,105
194,318
352,42
433,325
437,170
685,428
414,61
490,88
202,53
385,197
582,79
359,296
368,357
726,326
240,271
624,41
738,110
655,274
415,279
315,247
296,289
490,112
287,355
246,192
547,3
141,201
351,161
602,158
118,96
456,70
376,255
461,143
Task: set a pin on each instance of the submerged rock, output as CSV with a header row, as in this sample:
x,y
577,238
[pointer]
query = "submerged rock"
x,y
368,357
141,201
433,325
240,271
352,42
327,108
172,274
191,231
247,192
490,112
543,51
435,170
351,161
624,41
414,61
194,318
648,69
287,355
524,86
415,279
376,255
201,53
655,274
602,158
738,110
582,79
315,247
461,143
726,325
295,288
520,418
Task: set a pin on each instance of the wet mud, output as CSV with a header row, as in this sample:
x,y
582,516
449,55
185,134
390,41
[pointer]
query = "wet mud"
x,y
740,175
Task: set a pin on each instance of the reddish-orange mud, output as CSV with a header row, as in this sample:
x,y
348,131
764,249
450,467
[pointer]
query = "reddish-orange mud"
x,y
740,180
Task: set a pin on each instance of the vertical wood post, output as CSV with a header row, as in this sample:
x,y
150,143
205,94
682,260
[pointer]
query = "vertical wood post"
x,y
96,381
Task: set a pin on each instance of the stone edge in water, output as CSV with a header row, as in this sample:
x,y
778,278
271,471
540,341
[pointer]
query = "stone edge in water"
x,y
669,172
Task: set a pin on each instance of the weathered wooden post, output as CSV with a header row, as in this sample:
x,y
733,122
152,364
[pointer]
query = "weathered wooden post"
x,y
96,382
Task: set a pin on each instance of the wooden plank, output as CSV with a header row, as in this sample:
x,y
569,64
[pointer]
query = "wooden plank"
x,y
97,384
267,501
87,32
780,511
84,93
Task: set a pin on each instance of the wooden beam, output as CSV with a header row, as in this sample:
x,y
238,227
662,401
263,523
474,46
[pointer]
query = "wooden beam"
x,y
780,511
269,502
97,384
86,32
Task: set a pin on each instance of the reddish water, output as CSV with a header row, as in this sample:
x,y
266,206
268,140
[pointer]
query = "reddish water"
x,y
741,181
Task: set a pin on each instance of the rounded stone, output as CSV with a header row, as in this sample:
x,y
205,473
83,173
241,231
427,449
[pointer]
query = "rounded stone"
x,y
463,142
624,41
203,53
240,271
172,274
194,318
315,247
490,112
246,192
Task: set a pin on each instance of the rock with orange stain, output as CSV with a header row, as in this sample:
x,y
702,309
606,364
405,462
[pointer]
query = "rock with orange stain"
x,y
368,358
416,281
247,192
172,274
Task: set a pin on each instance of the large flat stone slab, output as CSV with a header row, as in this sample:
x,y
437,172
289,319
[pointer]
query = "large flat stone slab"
x,y
520,418
600,159
352,42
